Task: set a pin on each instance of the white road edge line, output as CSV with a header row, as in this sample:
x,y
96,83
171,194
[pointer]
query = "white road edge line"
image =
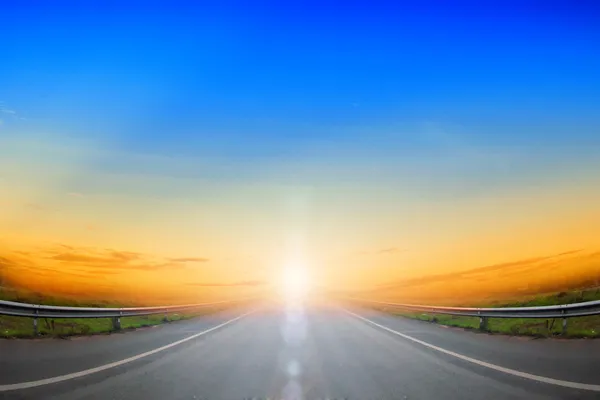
x,y
538,378
61,378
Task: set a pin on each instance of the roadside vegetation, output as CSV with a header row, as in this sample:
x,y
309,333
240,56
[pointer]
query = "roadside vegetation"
x,y
579,327
20,327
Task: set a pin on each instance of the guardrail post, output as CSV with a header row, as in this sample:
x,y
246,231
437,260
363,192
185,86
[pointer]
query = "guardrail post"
x,y
35,323
483,323
116,321
564,323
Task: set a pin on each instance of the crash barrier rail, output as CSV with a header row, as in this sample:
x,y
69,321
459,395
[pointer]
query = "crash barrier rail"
x,y
563,311
36,311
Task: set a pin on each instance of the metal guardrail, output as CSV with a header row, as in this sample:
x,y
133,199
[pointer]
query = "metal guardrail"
x,y
36,311
563,311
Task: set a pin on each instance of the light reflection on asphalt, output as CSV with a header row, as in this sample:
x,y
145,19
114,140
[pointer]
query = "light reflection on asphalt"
x,y
294,331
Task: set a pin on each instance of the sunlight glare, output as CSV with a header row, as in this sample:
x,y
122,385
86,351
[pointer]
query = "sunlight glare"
x,y
295,282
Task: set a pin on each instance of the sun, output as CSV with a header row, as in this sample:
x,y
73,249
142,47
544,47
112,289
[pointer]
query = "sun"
x,y
295,282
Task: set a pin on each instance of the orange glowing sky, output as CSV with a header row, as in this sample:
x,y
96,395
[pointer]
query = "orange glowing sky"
x,y
66,226
186,152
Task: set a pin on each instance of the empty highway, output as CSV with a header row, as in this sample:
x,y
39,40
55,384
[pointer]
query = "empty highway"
x,y
277,351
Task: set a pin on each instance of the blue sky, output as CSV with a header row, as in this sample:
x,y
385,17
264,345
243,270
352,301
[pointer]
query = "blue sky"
x,y
366,111
272,79
306,84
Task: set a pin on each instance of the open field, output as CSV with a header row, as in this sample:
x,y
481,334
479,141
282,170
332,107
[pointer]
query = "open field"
x,y
581,327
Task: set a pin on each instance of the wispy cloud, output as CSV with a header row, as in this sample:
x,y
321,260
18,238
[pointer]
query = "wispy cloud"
x,y
96,257
499,282
104,273
9,114
74,257
241,283
125,255
189,259
35,206
388,250
75,194
505,268
110,259
7,111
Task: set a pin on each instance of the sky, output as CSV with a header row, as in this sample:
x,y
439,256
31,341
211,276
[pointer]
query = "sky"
x,y
209,145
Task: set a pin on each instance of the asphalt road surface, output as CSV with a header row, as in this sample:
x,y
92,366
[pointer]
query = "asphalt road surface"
x,y
313,351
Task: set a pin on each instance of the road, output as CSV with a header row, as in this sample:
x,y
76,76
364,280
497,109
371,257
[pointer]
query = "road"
x,y
292,352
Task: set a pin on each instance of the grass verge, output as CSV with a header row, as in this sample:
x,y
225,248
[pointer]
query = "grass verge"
x,y
579,327
20,327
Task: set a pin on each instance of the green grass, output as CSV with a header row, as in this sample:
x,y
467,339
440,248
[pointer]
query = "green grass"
x,y
20,327
581,327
